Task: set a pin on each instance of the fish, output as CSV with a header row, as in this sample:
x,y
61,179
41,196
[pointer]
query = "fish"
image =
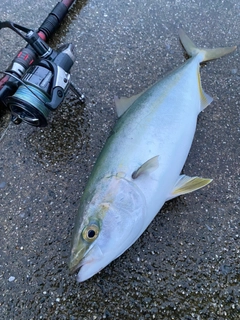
x,y
140,165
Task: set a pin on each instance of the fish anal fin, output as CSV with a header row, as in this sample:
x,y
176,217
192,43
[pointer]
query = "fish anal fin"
x,y
206,99
186,184
148,166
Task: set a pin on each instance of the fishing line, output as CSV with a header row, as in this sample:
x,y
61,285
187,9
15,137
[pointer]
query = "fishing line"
x,y
34,97
28,95
24,84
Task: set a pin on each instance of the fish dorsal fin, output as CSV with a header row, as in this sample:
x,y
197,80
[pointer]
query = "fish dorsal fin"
x,y
148,166
187,184
123,103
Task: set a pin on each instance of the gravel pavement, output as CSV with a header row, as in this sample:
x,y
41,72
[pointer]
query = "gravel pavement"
x,y
186,264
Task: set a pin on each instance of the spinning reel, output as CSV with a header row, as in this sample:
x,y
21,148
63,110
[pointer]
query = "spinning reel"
x,y
38,78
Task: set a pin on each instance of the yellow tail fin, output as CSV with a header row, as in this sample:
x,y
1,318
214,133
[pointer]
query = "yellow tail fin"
x,y
207,54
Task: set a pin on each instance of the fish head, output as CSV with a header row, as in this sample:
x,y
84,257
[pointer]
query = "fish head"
x,y
108,222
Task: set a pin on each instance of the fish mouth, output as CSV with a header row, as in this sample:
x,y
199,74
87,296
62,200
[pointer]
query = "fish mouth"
x,y
76,260
82,256
89,262
73,267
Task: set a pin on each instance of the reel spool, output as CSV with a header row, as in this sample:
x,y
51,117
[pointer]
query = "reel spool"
x,y
28,103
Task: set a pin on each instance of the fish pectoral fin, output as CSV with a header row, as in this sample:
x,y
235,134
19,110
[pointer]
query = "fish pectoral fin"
x,y
148,166
187,184
122,104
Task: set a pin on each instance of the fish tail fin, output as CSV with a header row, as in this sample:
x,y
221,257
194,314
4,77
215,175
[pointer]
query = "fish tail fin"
x,y
207,54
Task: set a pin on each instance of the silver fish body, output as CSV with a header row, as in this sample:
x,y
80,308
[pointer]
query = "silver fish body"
x,y
139,167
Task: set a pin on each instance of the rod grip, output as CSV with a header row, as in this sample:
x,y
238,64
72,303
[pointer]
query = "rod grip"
x,y
54,19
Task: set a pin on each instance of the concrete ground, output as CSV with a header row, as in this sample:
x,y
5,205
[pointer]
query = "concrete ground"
x,y
186,264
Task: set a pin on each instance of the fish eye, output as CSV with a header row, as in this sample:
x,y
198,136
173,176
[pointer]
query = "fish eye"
x,y
90,232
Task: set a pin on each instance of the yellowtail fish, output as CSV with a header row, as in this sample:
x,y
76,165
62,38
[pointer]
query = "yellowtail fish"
x,y
140,165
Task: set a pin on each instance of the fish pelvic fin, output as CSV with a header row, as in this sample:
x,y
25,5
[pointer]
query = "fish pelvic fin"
x,y
206,54
186,184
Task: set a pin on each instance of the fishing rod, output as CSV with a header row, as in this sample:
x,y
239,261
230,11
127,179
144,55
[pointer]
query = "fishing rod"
x,y
38,78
